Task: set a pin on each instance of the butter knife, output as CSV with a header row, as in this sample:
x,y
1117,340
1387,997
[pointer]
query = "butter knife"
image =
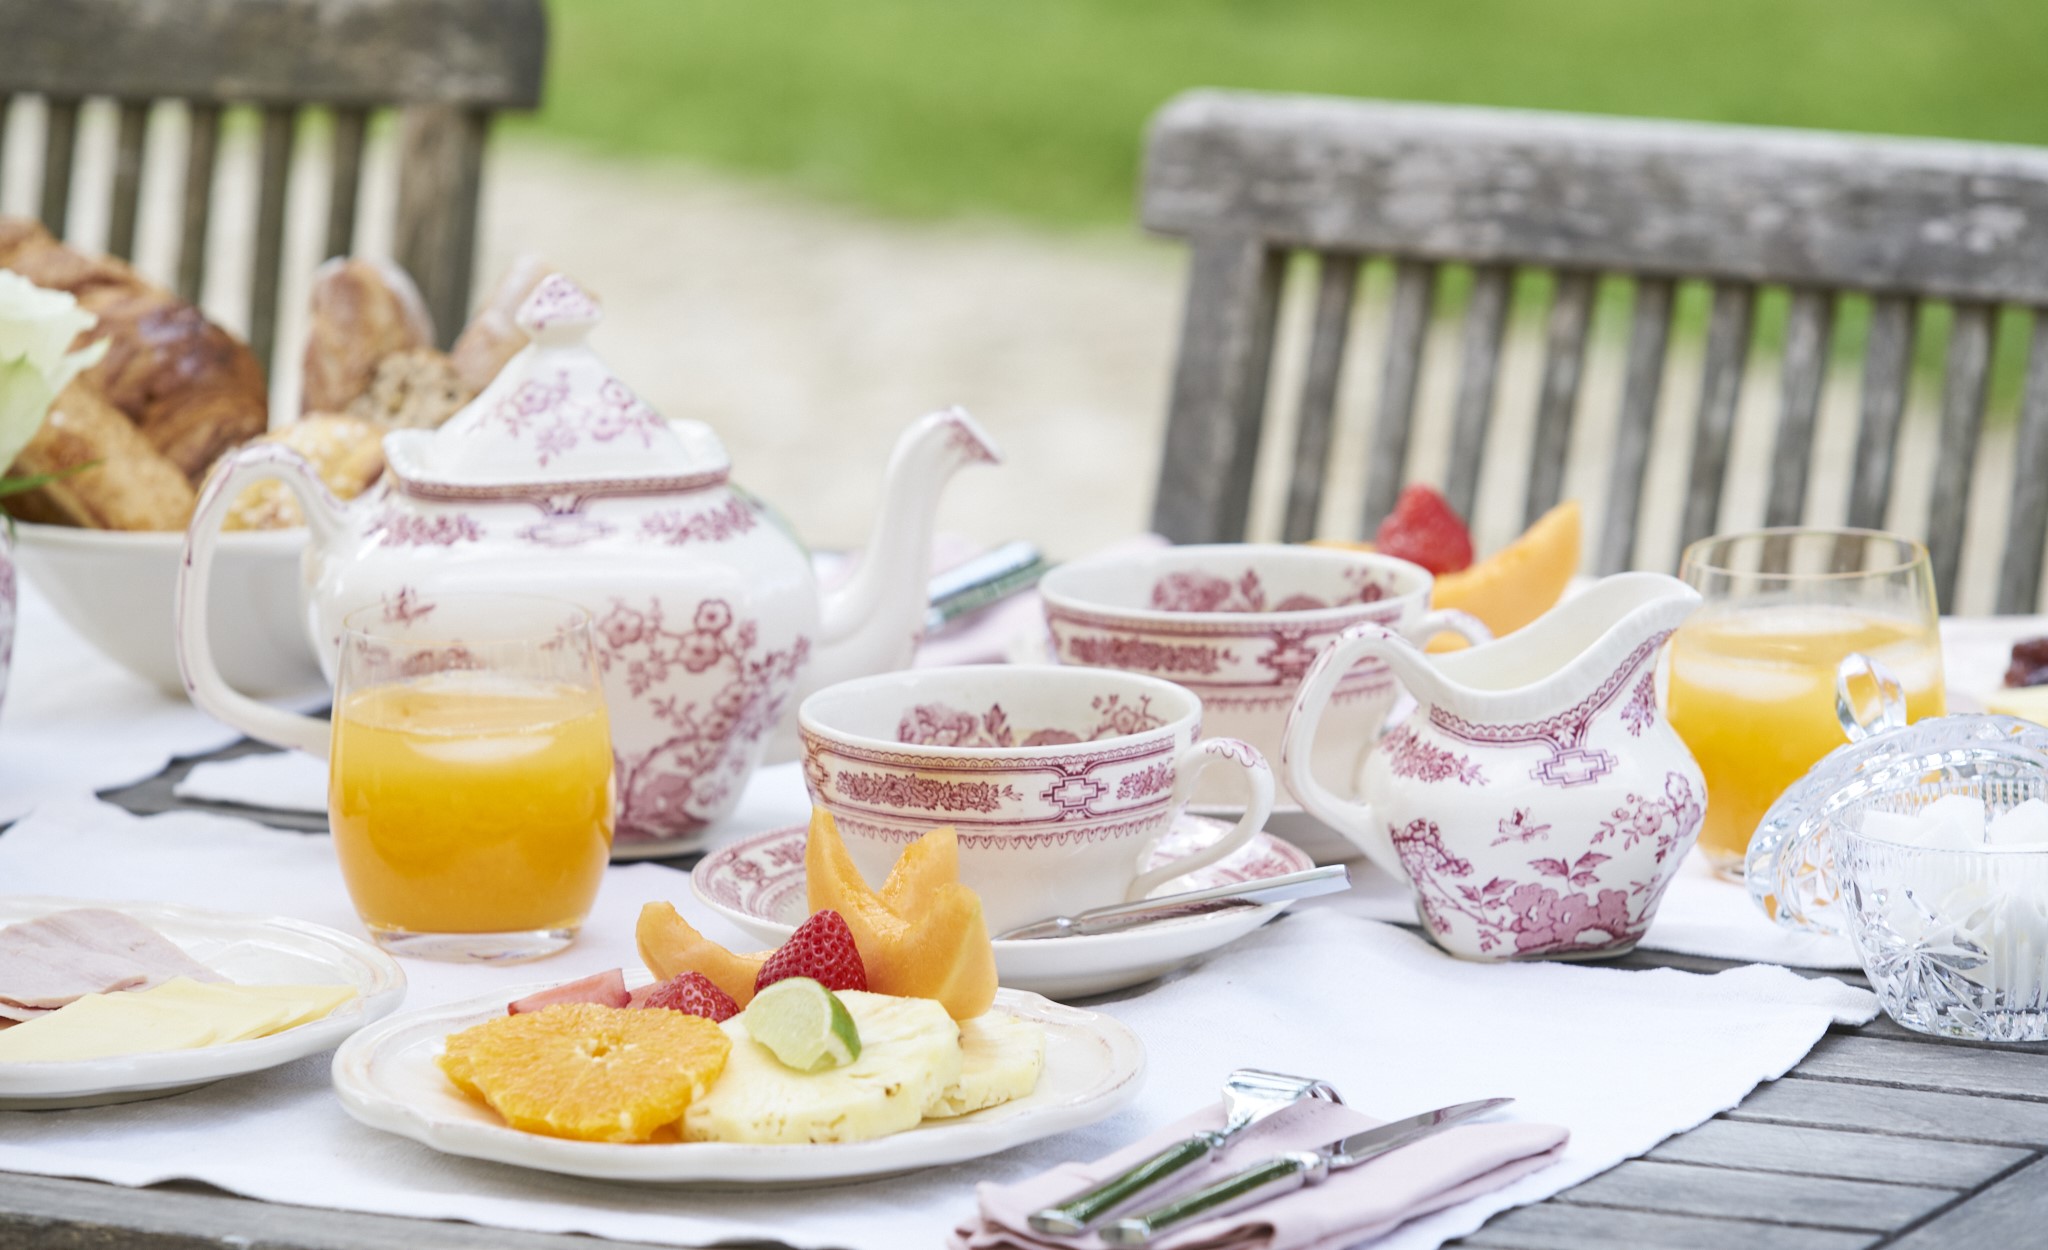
x,y
1286,1173
1120,916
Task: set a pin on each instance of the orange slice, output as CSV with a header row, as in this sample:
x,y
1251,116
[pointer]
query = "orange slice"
x,y
586,1071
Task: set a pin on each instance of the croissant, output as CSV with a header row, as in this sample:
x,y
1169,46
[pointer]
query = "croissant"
x,y
133,486
363,311
190,387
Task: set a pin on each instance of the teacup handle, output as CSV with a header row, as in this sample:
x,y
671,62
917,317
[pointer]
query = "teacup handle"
x,y
1257,808
1297,741
203,682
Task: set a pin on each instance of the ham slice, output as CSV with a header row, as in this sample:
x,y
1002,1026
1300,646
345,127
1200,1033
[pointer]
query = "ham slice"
x,y
59,958
606,988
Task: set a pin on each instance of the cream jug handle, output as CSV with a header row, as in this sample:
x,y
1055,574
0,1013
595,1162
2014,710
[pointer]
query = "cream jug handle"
x,y
203,682
1423,631
1258,806
1297,742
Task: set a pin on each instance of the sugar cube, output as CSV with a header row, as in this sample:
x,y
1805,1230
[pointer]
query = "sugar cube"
x,y
2024,825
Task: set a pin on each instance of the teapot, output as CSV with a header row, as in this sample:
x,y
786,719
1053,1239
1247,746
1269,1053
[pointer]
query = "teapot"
x,y
1537,801
558,480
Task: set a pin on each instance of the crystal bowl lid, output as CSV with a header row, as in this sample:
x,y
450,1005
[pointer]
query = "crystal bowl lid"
x,y
555,420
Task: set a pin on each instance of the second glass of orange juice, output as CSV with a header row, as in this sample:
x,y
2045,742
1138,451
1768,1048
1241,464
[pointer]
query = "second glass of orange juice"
x,y
470,781
1752,674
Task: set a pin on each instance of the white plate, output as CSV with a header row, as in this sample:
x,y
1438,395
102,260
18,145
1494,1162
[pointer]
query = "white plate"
x,y
758,884
250,950
387,1078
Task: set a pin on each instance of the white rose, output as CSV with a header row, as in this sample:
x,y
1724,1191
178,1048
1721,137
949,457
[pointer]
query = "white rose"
x,y
37,328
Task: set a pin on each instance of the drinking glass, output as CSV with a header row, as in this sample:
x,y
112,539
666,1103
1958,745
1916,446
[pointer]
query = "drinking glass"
x,y
471,774
1752,673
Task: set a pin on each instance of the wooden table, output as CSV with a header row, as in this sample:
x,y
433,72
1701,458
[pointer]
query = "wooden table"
x,y
1880,1137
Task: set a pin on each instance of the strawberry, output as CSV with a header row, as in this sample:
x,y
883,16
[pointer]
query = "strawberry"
x,y
693,994
822,949
1422,528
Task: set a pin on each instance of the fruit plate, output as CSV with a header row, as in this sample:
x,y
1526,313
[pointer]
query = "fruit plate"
x,y
758,884
251,950
388,1079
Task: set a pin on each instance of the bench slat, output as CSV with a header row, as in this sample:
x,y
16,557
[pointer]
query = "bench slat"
x,y
1965,383
202,145
1809,332
1400,376
1887,373
1728,334
1557,395
1336,287
2026,526
60,147
131,133
1486,319
280,135
345,180
1642,378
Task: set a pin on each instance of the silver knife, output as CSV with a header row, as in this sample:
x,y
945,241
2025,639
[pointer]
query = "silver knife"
x,y
983,580
1286,1173
1120,916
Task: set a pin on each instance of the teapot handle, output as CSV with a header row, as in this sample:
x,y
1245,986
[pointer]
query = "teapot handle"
x,y
1297,743
203,682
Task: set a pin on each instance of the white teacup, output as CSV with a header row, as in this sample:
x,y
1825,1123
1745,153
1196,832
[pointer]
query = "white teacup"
x,y
1240,624
1059,780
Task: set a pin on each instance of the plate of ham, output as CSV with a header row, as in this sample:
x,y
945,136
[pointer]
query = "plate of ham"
x,y
111,1002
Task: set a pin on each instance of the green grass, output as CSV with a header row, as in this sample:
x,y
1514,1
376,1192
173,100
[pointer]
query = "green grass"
x,y
1034,109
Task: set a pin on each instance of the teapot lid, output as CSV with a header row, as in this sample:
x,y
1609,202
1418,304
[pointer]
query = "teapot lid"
x,y
556,420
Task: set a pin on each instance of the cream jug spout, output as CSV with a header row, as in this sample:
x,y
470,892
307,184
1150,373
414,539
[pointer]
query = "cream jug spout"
x,y
874,622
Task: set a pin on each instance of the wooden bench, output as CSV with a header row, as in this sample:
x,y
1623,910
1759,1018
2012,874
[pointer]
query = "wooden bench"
x,y
449,65
1252,180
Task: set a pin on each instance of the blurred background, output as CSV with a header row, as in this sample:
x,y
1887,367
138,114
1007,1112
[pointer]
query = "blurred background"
x,y
812,220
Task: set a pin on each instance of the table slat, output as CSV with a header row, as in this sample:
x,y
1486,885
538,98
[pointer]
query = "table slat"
x,y
1900,1112
2011,1213
1561,1226
1930,1065
1830,1152
1775,1197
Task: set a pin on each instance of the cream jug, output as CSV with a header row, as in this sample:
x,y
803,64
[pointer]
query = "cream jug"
x,y
1537,801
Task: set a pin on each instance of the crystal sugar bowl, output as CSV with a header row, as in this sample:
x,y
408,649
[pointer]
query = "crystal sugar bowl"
x,y
1908,842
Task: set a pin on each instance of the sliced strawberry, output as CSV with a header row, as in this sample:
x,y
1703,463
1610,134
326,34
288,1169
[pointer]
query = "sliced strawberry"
x,y
693,994
1422,528
606,988
822,949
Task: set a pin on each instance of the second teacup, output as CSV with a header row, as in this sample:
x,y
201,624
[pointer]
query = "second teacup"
x,y
1059,780
1239,624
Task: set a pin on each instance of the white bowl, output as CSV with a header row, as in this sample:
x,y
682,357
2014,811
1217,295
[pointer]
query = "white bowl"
x,y
118,590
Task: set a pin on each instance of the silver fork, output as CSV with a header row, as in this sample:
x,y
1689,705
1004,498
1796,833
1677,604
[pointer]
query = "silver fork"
x,y
1249,1095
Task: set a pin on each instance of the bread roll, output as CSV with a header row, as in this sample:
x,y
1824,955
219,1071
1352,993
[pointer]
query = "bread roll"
x,y
347,453
191,388
363,311
493,336
415,389
132,487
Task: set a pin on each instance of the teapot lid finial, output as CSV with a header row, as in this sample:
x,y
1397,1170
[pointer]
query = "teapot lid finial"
x,y
555,421
559,312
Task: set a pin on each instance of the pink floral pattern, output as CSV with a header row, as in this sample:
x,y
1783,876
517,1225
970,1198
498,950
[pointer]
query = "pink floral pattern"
x,y
713,525
405,607
715,690
1145,656
927,794
1669,820
1192,590
1409,756
1528,917
1571,762
1641,708
394,527
1147,781
937,725
1517,827
559,423
558,300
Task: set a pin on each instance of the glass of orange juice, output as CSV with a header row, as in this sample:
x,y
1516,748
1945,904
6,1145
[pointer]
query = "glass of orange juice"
x,y
1752,673
470,785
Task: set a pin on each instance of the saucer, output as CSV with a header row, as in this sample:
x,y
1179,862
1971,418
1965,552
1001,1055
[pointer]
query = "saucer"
x,y
758,884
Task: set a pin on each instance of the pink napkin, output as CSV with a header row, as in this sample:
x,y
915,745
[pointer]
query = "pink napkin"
x,y
1352,1206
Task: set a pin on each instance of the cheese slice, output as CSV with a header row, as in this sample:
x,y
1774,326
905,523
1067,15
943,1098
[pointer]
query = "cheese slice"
x,y
180,1014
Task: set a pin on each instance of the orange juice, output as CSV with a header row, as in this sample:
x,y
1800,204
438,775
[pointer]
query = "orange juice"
x,y
472,803
1752,692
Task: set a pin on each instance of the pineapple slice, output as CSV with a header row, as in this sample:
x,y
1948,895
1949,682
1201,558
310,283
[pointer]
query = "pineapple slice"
x,y
910,1057
1001,1056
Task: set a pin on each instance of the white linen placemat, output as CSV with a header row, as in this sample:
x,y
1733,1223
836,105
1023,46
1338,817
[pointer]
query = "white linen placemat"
x,y
74,720
1622,1058
1700,915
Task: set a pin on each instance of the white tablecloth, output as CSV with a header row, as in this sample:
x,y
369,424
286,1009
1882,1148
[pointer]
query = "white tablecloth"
x,y
1624,1059
74,720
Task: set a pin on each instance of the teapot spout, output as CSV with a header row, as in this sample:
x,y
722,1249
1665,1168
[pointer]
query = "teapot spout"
x,y
874,622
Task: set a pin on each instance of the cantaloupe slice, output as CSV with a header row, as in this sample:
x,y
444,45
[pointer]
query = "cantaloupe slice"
x,y
670,946
1518,583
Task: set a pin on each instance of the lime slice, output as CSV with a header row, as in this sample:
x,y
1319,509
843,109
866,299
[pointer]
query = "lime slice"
x,y
803,1024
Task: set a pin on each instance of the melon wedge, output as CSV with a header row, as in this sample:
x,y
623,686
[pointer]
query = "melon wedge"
x,y
1518,583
